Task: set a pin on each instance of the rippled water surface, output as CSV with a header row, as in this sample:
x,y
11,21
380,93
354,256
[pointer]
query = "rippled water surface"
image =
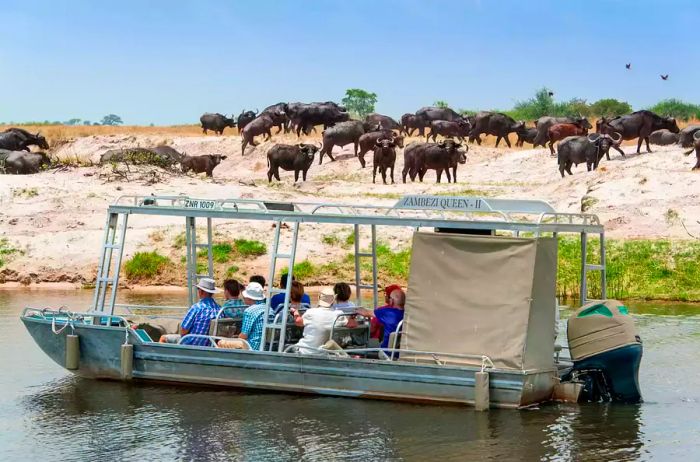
x,y
48,414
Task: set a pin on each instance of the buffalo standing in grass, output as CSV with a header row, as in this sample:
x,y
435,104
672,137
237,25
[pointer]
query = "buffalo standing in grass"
x,y
23,162
201,164
384,159
589,149
639,125
298,158
543,124
216,123
443,156
262,125
696,148
663,137
369,140
558,132
340,135
496,124
244,118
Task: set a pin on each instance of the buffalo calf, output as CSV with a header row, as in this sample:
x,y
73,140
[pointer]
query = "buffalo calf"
x,y
200,164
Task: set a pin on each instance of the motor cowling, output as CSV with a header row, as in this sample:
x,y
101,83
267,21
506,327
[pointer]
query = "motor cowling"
x,y
606,351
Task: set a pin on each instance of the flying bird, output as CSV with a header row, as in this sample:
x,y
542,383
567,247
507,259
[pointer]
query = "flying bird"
x,y
628,65
664,77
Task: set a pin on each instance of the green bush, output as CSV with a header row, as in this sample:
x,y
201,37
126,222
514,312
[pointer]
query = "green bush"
x,y
144,265
231,270
6,250
303,270
677,108
610,107
221,253
246,248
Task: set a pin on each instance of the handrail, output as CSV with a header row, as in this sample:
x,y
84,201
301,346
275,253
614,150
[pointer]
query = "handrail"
x,y
344,315
74,315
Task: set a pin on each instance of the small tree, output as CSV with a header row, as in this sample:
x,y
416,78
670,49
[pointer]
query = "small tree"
x,y
359,102
87,122
610,107
111,119
441,104
540,105
73,122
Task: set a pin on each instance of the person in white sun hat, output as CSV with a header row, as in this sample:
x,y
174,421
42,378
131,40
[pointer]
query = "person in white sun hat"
x,y
317,322
198,317
254,315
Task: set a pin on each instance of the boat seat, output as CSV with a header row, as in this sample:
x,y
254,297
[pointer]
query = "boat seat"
x,y
225,327
143,335
351,337
232,344
393,337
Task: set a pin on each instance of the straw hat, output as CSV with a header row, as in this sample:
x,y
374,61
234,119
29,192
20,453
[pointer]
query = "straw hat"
x,y
326,298
208,285
254,291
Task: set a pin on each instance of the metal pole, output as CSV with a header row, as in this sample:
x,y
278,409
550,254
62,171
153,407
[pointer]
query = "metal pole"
x,y
584,283
358,278
113,222
118,265
290,276
189,221
273,262
210,256
100,266
374,266
604,270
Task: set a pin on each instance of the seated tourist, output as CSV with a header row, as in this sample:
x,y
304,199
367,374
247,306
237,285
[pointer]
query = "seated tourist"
x,y
198,317
389,316
254,315
343,292
259,279
317,322
233,306
278,299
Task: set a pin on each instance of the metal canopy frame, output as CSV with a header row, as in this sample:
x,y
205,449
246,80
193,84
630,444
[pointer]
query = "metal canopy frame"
x,y
456,212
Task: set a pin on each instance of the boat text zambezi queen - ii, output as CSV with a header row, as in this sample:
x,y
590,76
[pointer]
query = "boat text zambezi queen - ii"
x,y
480,318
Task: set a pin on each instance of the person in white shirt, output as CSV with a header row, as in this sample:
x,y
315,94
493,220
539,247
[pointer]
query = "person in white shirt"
x,y
317,322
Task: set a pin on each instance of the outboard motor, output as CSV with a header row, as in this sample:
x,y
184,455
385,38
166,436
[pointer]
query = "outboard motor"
x,y
606,351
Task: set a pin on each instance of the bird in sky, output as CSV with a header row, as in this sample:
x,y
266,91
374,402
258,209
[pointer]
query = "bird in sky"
x,y
551,93
664,77
628,65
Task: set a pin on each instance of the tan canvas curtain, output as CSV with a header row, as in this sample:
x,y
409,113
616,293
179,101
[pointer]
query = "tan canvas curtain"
x,y
482,295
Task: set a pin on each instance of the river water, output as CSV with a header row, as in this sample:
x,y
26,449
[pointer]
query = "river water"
x,y
48,414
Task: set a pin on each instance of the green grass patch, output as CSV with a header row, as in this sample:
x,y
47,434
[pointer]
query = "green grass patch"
x,y
231,271
304,270
221,253
7,251
466,192
179,241
145,265
330,239
248,248
25,192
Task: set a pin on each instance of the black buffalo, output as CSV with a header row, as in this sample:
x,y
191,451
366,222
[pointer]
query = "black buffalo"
x,y
297,157
216,122
410,123
368,141
441,156
686,135
19,139
663,137
526,135
201,164
579,149
307,116
696,148
244,118
23,162
639,125
262,125
278,114
543,124
384,158
452,129
385,122
340,135
496,124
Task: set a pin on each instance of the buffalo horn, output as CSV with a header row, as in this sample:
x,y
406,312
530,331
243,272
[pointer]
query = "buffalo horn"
x,y
617,139
593,137
256,111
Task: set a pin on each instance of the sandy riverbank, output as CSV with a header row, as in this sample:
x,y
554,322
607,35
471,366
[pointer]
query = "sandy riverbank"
x,y
55,219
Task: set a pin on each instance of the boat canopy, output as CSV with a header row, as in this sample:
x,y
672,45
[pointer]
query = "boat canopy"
x,y
493,295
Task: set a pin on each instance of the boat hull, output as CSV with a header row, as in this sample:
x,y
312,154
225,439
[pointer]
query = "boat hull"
x,y
100,348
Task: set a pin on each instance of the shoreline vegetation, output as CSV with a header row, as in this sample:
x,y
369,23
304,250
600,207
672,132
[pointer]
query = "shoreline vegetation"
x,y
638,269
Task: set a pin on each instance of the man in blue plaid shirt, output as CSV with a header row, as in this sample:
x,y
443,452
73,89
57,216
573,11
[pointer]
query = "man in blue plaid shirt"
x,y
199,316
254,315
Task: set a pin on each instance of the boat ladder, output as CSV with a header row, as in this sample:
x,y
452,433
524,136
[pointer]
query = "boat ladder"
x,y
359,255
192,250
274,257
108,276
586,267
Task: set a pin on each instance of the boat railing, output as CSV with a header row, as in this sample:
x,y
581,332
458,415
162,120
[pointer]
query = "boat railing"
x,y
61,315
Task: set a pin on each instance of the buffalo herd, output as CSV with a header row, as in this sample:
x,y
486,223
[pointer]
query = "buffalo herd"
x,y
384,135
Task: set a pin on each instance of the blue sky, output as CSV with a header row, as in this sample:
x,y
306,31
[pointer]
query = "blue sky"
x,y
166,62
